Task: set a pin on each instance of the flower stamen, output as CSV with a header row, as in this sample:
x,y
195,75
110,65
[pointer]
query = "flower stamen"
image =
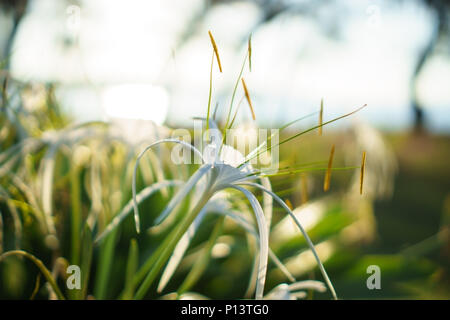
x,y
247,96
326,184
361,177
213,42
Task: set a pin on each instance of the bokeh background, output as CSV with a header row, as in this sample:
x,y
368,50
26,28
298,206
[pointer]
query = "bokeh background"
x,y
150,60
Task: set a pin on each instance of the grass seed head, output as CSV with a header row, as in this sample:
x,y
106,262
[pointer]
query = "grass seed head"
x,y
213,42
304,188
289,204
247,96
361,176
326,183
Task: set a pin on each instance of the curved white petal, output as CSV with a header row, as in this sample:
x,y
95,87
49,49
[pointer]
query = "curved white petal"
x,y
142,195
308,240
267,201
183,192
308,284
239,219
133,186
263,240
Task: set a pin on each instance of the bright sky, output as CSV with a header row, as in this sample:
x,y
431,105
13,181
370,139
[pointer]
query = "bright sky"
x,y
129,48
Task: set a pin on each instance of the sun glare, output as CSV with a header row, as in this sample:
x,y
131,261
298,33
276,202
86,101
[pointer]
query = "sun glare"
x,y
136,101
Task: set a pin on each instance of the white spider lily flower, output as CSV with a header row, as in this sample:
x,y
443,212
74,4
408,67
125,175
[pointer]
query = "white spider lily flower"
x,y
223,167
222,170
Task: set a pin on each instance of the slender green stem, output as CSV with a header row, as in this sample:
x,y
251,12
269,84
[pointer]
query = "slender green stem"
x,y
224,134
210,92
302,133
41,267
234,94
307,170
235,113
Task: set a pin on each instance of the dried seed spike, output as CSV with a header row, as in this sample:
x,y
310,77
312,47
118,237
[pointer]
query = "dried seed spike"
x,y
247,96
321,117
289,204
361,177
326,184
250,52
304,188
213,42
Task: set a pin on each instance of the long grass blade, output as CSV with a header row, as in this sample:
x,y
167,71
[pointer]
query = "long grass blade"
x,y
132,265
179,251
1,232
302,133
86,260
104,266
201,264
141,196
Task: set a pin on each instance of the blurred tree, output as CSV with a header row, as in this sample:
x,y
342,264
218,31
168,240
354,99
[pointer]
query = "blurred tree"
x,y
440,34
272,8
17,9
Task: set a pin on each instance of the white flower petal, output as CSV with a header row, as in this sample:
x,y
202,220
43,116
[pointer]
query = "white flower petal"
x,y
183,192
308,240
263,240
133,186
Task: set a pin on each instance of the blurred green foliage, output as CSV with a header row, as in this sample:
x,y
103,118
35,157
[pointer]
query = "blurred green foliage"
x,y
407,234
